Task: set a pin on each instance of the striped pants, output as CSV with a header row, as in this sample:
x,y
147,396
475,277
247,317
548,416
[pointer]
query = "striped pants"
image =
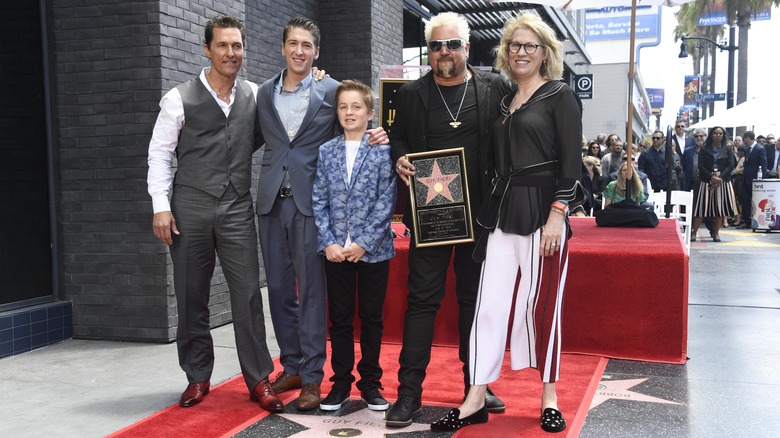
x,y
517,281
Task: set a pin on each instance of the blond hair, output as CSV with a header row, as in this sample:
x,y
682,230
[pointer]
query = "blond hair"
x,y
355,85
448,19
552,65
637,187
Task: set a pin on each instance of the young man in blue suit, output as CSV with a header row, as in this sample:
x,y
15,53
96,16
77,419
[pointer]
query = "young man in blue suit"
x,y
353,201
295,115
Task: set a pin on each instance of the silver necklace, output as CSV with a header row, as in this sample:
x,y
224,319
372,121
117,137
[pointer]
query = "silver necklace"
x,y
454,123
291,128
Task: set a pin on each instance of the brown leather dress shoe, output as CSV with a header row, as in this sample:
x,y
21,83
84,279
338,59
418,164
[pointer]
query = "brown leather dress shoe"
x,y
194,394
285,382
264,394
309,398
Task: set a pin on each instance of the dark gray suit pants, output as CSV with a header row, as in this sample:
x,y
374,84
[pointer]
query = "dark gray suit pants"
x,y
224,226
296,288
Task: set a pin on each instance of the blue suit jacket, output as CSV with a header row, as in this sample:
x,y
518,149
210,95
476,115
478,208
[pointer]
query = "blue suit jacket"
x,y
687,164
754,160
299,155
362,207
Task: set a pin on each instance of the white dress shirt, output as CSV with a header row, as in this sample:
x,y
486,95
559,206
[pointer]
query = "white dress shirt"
x,y
165,137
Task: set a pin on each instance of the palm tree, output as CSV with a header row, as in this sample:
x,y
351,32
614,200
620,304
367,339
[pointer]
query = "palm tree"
x,y
687,25
738,12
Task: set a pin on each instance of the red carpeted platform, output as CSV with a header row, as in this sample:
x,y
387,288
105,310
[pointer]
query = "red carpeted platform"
x,y
227,411
626,294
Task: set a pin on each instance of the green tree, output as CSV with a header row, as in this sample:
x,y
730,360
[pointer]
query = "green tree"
x,y
738,12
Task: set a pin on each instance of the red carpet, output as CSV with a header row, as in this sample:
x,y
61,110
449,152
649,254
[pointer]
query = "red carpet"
x,y
227,410
626,294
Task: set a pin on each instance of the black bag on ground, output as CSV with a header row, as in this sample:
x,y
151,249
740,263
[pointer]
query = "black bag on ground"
x,y
626,213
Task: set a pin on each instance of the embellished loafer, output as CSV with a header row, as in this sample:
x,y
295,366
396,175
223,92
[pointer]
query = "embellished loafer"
x,y
552,420
451,422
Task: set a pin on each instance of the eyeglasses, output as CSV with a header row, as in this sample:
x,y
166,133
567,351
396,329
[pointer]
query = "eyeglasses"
x,y
530,48
452,44
595,146
658,138
699,135
680,126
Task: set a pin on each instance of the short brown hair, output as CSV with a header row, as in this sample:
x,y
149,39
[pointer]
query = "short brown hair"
x,y
223,22
355,85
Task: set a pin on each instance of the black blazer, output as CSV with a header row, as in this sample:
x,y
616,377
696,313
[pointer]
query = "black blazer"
x,y
410,131
726,163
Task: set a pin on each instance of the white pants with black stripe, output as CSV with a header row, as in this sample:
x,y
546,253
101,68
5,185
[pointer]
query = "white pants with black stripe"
x,y
515,278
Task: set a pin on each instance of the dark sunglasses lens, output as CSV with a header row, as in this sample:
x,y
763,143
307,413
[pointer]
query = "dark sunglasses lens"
x,y
434,46
454,44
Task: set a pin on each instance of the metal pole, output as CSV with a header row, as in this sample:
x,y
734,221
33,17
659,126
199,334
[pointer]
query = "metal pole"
x,y
731,48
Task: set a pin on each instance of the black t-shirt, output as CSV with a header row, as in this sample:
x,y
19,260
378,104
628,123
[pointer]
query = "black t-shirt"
x,y
441,135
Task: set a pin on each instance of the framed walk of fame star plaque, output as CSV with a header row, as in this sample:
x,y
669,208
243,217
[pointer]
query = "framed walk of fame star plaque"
x,y
439,197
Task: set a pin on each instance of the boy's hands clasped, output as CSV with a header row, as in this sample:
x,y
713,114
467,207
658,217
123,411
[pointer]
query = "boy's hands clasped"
x,y
336,253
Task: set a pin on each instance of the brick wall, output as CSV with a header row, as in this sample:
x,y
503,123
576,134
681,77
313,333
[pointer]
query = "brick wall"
x,y
107,85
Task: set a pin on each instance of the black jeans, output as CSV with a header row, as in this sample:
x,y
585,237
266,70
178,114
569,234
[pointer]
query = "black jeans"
x,y
427,280
371,282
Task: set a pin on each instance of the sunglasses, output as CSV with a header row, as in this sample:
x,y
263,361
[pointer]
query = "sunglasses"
x,y
680,126
699,135
658,138
452,44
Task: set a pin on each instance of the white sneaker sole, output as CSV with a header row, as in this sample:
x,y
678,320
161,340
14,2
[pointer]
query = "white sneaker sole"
x,y
382,407
324,407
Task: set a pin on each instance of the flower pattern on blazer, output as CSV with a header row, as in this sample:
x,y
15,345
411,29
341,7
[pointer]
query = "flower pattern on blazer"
x,y
363,206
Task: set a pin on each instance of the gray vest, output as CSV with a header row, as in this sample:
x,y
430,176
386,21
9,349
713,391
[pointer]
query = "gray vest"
x,y
215,150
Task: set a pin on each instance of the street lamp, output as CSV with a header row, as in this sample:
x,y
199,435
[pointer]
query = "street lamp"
x,y
731,49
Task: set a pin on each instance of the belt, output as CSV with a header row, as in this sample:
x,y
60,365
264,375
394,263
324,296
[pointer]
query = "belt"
x,y
285,192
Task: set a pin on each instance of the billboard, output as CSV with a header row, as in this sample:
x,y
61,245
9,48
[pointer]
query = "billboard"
x,y
656,96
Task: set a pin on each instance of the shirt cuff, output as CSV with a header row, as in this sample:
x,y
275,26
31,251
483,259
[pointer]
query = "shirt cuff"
x,y
160,204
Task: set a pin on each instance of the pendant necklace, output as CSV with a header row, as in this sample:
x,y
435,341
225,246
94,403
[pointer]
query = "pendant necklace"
x,y
220,96
455,123
304,103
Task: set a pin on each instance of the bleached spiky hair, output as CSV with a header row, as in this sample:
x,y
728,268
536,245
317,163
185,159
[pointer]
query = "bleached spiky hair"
x,y
448,19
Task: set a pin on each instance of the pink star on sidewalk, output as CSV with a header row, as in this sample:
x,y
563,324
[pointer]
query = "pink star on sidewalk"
x,y
619,390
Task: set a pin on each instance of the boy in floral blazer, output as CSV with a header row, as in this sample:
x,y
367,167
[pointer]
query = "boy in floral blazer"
x,y
353,201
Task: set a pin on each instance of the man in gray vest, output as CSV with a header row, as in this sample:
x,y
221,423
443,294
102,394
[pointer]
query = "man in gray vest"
x,y
207,123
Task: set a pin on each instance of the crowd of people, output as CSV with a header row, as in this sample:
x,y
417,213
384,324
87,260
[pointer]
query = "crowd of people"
x,y
720,178
326,193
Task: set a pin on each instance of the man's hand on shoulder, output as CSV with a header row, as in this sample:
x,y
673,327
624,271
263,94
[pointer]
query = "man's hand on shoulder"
x,y
318,74
162,224
378,136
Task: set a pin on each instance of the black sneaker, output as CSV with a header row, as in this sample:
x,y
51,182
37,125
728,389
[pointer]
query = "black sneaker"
x,y
404,410
334,400
374,399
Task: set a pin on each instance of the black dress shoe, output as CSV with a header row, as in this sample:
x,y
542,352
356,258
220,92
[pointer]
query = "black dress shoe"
x,y
493,403
403,411
451,422
552,420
